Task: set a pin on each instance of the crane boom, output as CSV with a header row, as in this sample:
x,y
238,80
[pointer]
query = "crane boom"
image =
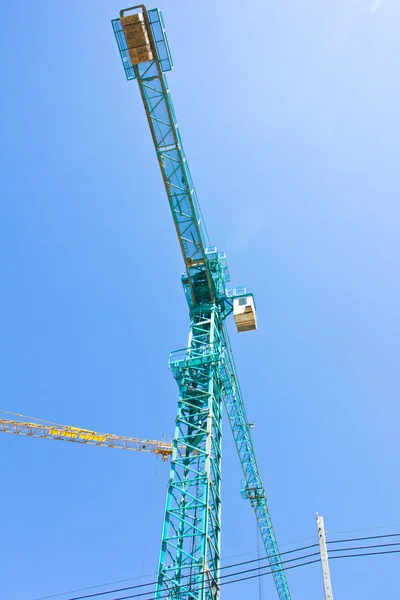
x,y
202,268
205,372
67,433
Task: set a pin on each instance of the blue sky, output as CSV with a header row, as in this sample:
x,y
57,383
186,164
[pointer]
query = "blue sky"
x,y
289,115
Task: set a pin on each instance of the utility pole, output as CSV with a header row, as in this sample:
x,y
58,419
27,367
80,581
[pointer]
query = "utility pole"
x,y
324,558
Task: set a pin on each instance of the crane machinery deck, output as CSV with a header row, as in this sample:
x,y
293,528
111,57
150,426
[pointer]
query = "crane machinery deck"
x,y
205,372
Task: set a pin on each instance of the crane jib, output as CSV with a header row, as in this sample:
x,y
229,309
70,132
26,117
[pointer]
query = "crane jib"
x,y
184,204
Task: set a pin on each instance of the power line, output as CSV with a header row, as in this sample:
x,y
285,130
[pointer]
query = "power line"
x,y
364,547
303,557
247,562
107,583
262,574
93,587
223,583
307,563
360,539
154,582
243,571
364,529
312,537
230,566
363,554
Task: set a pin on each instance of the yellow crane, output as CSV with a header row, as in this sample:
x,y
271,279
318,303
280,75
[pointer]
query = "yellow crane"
x,y
66,433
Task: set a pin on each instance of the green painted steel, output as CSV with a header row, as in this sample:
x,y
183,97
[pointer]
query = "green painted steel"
x,y
205,371
190,549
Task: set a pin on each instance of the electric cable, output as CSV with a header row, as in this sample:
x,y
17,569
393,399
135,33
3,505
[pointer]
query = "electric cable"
x,y
84,589
364,529
248,562
365,554
153,574
231,566
151,597
371,537
93,587
97,594
364,547
257,575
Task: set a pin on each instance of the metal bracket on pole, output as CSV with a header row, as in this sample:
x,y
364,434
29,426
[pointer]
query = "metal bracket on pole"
x,y
324,558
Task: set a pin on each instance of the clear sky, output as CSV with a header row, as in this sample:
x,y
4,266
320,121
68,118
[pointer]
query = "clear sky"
x,y
289,112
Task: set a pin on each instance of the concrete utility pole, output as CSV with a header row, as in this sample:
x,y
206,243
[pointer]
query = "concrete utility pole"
x,y
324,558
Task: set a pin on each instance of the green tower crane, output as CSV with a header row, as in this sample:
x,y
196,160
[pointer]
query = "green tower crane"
x,y
205,371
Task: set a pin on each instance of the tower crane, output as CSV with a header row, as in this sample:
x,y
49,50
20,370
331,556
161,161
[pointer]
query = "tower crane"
x,y
205,371
68,433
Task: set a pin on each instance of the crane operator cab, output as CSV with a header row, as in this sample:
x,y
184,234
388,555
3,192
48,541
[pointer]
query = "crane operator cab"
x,y
244,312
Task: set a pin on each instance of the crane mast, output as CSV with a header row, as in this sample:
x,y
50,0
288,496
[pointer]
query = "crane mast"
x,y
205,372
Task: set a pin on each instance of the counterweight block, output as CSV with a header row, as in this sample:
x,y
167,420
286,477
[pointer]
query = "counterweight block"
x,y
137,38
